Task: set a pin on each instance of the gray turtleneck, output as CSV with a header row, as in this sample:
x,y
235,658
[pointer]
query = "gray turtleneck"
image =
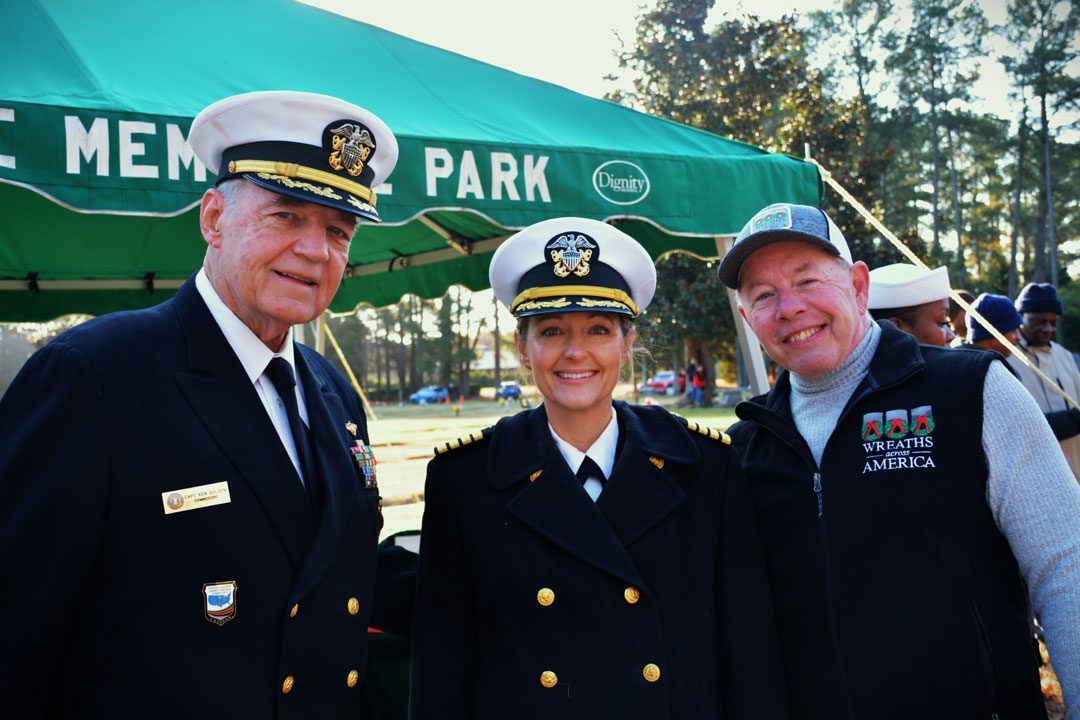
x,y
1030,490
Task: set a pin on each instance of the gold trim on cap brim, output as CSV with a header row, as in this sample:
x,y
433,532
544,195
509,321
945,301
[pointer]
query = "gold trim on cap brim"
x,y
304,173
589,291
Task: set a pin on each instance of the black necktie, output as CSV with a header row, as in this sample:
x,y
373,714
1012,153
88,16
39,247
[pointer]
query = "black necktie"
x,y
281,374
590,469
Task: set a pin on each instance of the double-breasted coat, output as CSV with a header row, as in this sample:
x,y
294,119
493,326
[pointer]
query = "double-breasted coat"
x,y
104,608
535,602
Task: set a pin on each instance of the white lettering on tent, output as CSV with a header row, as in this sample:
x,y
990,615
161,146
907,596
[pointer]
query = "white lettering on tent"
x,y
7,115
469,179
87,143
503,173
535,179
129,149
179,151
437,164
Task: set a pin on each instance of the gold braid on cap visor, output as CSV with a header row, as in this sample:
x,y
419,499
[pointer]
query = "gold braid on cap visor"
x,y
304,173
594,291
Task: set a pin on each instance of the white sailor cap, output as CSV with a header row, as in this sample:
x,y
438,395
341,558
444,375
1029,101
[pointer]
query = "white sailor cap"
x,y
313,147
902,285
572,264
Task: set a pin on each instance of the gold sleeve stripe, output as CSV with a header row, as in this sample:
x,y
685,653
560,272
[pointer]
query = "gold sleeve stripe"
x,y
462,442
705,430
304,173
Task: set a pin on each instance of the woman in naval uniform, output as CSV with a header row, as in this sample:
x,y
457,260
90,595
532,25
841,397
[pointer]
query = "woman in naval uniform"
x,y
588,558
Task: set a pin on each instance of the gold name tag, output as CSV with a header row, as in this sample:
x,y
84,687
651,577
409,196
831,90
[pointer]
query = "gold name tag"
x,y
195,497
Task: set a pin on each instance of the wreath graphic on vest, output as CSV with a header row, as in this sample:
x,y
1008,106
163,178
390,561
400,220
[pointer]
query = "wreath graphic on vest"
x,y
871,429
897,424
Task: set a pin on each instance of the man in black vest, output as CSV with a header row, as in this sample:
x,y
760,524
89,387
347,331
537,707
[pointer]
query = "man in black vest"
x,y
189,511
904,494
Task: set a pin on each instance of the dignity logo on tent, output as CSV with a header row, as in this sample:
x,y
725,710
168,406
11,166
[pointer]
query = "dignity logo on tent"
x,y
621,182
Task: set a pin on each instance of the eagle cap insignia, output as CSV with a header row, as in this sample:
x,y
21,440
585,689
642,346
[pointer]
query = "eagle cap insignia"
x,y
351,144
571,253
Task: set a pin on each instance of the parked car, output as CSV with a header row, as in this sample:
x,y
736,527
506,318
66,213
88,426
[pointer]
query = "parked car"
x,y
509,390
667,382
429,394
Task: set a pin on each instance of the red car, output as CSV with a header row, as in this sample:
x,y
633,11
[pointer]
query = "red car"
x,y
667,382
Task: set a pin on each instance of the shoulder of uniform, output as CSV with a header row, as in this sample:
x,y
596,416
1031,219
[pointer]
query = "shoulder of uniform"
x,y
709,432
463,441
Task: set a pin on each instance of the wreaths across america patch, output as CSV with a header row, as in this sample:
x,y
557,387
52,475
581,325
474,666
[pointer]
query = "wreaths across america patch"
x,y
898,439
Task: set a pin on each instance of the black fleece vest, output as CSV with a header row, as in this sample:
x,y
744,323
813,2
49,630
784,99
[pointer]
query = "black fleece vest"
x,y
896,595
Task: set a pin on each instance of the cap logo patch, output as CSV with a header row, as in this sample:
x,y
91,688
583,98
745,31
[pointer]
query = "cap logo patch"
x,y
352,145
571,253
773,218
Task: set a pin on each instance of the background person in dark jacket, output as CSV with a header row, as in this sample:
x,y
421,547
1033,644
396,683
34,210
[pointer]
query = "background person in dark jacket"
x,y
188,506
903,492
588,559
1002,314
1040,308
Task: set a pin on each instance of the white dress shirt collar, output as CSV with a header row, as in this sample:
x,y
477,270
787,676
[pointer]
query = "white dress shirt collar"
x,y
250,350
602,451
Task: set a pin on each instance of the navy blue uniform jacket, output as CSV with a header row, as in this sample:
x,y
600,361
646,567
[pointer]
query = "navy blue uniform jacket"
x,y
535,602
103,608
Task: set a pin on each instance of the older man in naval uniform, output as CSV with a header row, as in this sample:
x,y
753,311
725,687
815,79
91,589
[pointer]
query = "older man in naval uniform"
x,y
189,511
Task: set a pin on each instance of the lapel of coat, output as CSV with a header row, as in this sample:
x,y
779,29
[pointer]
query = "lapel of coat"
x,y
554,505
227,404
639,495
326,418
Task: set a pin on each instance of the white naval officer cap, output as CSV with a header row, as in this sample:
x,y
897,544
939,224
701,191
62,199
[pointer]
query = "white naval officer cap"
x,y
308,146
572,264
902,285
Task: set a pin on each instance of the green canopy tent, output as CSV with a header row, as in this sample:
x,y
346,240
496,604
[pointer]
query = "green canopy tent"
x,y
100,190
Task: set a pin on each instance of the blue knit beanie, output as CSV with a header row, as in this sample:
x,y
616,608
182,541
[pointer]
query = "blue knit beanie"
x,y
998,311
1039,297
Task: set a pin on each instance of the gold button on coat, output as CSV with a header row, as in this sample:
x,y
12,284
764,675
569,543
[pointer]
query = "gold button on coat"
x,y
287,685
352,679
545,596
354,607
549,679
295,609
632,594
651,672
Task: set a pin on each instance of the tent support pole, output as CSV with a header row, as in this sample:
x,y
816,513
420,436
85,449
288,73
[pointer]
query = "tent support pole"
x,y
748,342
320,337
